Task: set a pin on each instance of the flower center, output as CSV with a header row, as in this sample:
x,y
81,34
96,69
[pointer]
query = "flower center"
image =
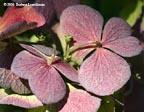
x,y
98,44
51,59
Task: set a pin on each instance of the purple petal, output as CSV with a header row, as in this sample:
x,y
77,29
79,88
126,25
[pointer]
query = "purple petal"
x,y
19,100
25,64
114,29
81,22
60,5
33,50
20,86
104,72
47,85
46,50
79,55
6,78
81,101
10,80
126,47
67,70
40,50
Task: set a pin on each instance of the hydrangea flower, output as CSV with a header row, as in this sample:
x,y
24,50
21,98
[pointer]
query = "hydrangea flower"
x,y
104,71
39,65
17,20
81,101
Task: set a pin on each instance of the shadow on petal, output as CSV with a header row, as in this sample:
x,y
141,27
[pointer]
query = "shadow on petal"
x,y
10,80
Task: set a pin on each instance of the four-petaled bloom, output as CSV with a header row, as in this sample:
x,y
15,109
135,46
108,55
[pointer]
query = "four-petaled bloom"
x,y
40,66
104,72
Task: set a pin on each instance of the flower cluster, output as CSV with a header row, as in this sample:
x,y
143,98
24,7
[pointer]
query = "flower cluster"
x,y
42,71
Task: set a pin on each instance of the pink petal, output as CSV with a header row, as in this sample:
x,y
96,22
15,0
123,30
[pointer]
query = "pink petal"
x,y
25,64
60,5
81,101
19,100
39,50
45,50
67,70
126,47
104,72
81,22
79,55
33,50
10,80
6,78
19,86
114,29
47,85
15,16
29,14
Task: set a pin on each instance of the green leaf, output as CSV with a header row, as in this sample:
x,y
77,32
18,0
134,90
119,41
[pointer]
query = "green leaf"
x,y
107,105
46,108
142,24
40,109
2,46
132,12
118,97
112,8
2,7
91,3
6,108
52,108
34,39
31,39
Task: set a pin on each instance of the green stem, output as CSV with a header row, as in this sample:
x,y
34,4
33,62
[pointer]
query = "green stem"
x,y
83,46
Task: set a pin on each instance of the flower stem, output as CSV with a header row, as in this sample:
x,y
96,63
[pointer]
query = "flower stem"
x,y
85,46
